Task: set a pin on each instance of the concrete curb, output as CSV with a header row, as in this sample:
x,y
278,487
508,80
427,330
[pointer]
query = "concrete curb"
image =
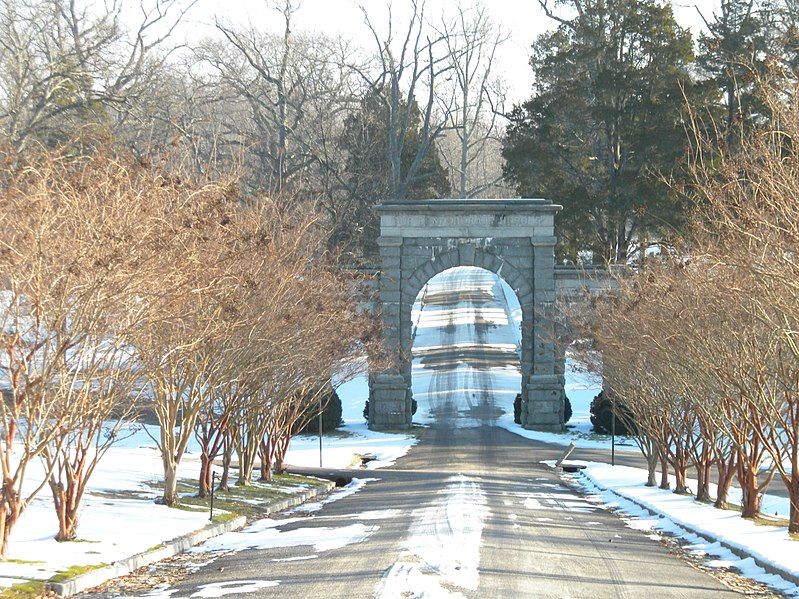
x,y
169,548
740,553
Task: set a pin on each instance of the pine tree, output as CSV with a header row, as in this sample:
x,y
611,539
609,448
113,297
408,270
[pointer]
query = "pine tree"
x,y
604,122
732,53
365,140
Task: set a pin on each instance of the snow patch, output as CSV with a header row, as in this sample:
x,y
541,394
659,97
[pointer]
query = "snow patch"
x,y
234,587
298,558
376,515
355,485
442,550
622,488
321,538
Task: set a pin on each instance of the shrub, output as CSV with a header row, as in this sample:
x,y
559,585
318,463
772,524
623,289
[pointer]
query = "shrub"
x,y
331,416
567,409
517,409
602,415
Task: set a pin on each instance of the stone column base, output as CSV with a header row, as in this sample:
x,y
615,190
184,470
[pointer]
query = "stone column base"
x,y
543,409
388,402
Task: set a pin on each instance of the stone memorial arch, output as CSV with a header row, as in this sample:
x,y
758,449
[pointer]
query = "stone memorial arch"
x,y
513,238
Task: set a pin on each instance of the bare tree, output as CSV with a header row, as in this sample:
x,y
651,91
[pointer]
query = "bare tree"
x,y
291,88
100,401
410,62
65,64
472,100
75,256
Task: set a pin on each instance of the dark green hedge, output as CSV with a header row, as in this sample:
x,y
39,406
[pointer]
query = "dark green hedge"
x,y
602,415
331,416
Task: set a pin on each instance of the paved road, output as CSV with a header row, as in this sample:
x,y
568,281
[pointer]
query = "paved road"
x,y
469,512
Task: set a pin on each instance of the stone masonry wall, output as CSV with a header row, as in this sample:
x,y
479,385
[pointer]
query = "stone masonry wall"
x,y
408,263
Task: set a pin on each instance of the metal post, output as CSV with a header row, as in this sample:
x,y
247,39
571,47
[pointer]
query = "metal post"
x,y
320,430
213,488
612,431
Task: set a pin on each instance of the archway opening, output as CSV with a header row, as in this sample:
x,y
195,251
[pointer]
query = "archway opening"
x,y
466,347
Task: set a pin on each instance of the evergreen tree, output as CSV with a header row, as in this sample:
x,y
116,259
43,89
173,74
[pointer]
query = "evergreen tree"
x,y
732,52
365,140
604,122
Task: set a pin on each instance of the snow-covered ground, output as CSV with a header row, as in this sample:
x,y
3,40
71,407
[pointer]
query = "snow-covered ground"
x,y
440,324
296,530
119,517
622,488
343,450
498,308
442,547
115,526
481,319
266,533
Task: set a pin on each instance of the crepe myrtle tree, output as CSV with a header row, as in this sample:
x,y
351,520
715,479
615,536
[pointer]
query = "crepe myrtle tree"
x,y
630,371
100,399
257,248
284,316
665,390
213,426
716,341
187,318
711,328
96,379
228,269
76,253
702,342
750,220
339,334
318,329
180,379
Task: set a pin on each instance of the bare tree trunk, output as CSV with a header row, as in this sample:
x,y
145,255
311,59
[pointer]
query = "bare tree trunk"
x,y
264,454
67,526
464,166
66,502
227,458
205,475
680,466
703,482
725,472
60,501
280,449
170,496
8,517
747,480
651,469
247,455
680,486
702,453
793,495
664,472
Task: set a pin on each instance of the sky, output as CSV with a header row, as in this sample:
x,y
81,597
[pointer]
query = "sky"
x,y
522,20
